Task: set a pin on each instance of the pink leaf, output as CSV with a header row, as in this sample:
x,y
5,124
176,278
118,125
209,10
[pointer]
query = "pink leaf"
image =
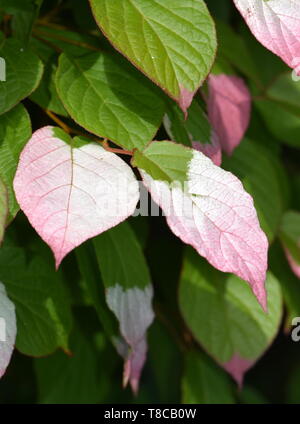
x,y
69,193
133,309
212,151
217,217
8,329
276,25
229,106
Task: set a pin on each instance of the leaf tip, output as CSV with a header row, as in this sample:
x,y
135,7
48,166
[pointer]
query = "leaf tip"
x,y
237,367
185,99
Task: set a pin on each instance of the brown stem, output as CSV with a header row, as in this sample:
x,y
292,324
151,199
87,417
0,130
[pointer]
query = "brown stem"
x,y
70,130
59,122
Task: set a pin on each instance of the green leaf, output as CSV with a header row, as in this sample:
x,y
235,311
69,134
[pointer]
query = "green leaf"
x,y
289,283
173,44
164,160
107,97
46,95
42,304
3,209
223,314
261,174
204,382
74,379
290,234
15,131
233,48
23,73
280,109
121,259
69,42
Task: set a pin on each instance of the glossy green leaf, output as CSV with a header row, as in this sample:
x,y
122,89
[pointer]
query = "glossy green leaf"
x,y
260,173
204,382
173,44
109,98
224,316
3,208
42,304
23,74
15,131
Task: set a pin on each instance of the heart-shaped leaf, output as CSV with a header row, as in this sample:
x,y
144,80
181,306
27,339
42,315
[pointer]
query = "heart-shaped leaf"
x,y
72,190
174,44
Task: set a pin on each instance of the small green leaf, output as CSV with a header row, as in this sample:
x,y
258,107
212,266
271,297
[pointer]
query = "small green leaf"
x,y
195,128
204,382
224,315
23,73
15,131
42,304
173,44
107,97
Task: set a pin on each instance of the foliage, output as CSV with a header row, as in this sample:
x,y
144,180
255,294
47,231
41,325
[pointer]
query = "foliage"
x,y
153,146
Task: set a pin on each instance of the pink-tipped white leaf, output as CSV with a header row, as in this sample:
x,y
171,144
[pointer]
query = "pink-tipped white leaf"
x,y
133,308
229,106
72,192
217,217
276,25
8,329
